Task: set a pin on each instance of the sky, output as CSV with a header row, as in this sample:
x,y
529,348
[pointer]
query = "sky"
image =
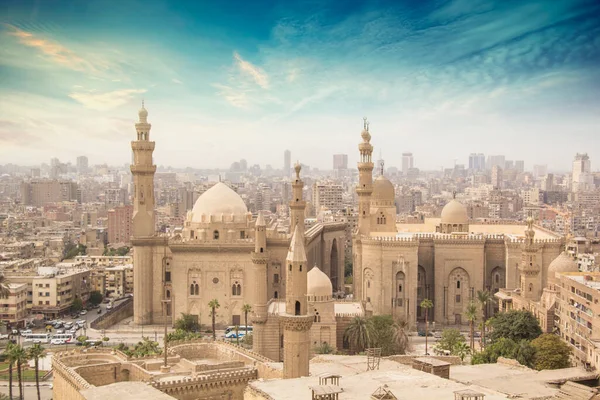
x,y
248,79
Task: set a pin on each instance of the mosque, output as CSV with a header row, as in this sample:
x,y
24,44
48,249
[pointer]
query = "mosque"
x,y
222,253
446,260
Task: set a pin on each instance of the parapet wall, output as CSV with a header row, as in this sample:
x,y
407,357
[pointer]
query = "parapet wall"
x,y
114,316
409,360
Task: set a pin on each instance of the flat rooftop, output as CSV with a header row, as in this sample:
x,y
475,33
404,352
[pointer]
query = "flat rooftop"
x,y
402,380
125,390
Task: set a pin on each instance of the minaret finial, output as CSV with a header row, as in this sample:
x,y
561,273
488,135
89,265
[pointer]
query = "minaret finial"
x,y
142,103
365,125
297,168
454,194
381,165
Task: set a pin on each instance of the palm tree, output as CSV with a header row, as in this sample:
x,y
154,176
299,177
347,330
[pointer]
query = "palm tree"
x,y
359,333
246,308
400,336
484,297
11,362
426,304
20,356
214,304
462,350
35,353
4,288
471,314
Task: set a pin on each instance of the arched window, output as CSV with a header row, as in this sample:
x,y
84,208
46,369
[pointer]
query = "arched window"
x,y
497,278
233,289
216,235
261,249
400,288
238,289
168,294
192,289
458,284
290,267
275,295
368,284
196,289
531,287
297,308
300,267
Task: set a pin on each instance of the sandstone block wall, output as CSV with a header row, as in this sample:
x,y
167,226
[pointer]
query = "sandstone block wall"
x,y
119,313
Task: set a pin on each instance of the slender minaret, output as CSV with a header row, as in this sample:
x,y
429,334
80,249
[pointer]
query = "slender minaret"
x,y
365,181
297,321
143,171
529,267
260,260
297,205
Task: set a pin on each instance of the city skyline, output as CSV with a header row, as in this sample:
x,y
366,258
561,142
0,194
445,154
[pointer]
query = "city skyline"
x,y
438,79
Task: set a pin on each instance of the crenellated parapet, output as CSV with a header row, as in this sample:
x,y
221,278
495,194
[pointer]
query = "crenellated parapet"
x,y
390,241
297,323
207,381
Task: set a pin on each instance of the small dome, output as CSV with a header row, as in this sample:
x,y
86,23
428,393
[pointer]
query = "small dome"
x,y
383,189
454,213
218,200
563,263
143,113
318,284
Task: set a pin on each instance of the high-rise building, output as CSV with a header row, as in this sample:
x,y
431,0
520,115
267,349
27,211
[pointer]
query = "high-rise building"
x,y
407,162
328,196
496,161
340,161
520,166
120,224
287,163
582,177
82,164
509,164
540,170
497,177
42,191
476,162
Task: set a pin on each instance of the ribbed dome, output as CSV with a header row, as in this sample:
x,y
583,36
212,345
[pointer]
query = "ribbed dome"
x,y
219,199
318,284
454,213
383,189
563,263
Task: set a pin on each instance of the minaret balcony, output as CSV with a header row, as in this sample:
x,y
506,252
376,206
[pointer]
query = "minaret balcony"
x,y
297,322
259,258
143,169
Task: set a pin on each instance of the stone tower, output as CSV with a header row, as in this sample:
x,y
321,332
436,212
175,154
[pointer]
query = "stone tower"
x,y
296,321
143,171
365,181
260,260
529,268
297,205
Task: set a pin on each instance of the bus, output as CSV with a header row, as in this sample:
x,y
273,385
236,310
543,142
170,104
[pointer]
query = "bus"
x,y
37,337
67,337
241,329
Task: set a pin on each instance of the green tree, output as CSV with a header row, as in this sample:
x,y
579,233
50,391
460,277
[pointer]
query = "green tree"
x,y
35,353
19,356
77,305
122,251
246,308
400,329
389,335
182,335
515,325
348,270
551,352
324,348
471,315
426,304
11,362
462,350
359,333
82,339
521,351
187,323
484,298
145,347
214,305
451,338
95,298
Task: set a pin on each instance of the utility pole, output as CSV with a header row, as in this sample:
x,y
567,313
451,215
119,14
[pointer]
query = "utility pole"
x,y
165,367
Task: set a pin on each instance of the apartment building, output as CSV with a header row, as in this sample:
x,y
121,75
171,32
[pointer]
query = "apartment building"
x,y
327,196
120,224
119,280
42,191
53,295
13,307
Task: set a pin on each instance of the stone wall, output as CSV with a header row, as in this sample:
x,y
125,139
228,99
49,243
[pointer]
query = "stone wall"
x,y
114,316
409,360
67,383
101,374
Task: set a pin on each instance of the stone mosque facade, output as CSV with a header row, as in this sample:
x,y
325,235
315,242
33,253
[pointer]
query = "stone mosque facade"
x,y
223,252
447,260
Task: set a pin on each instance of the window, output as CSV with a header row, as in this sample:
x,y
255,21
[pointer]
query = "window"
x,y
243,235
275,295
167,276
216,235
290,267
281,341
168,296
458,298
368,284
400,302
497,278
196,289
276,278
399,288
458,284
531,287
300,267
47,302
261,249
236,289
297,308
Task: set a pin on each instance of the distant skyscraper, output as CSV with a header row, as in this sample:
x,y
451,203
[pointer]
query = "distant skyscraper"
x,y
82,164
476,161
287,163
243,164
582,177
509,164
407,162
520,165
496,161
497,177
540,170
340,161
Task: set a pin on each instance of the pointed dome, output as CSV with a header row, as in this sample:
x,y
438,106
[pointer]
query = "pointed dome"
x,y
219,199
383,189
455,213
296,253
143,113
563,263
318,283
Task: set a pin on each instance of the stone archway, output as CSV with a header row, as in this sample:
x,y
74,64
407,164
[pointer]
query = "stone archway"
x,y
422,293
459,294
334,266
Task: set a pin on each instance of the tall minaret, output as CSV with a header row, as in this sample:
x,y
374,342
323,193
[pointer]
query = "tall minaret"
x,y
260,260
143,171
529,268
365,181
296,321
297,205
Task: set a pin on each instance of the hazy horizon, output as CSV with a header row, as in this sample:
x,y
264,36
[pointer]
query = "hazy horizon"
x,y
221,82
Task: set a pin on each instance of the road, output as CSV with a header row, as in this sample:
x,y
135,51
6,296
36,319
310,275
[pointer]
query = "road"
x,y
29,391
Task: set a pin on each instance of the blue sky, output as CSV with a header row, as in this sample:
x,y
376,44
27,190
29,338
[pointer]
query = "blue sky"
x,y
239,79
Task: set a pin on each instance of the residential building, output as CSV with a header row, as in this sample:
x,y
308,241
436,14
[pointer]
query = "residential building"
x,y
327,196
120,224
407,162
13,307
340,161
53,295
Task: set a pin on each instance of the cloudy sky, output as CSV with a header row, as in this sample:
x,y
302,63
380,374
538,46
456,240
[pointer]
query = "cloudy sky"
x,y
224,80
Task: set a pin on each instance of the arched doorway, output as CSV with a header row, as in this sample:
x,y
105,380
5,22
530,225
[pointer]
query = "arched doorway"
x,y
459,294
422,293
334,265
497,282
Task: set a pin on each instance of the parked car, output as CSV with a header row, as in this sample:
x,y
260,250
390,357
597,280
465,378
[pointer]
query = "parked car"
x,y
422,333
83,312
58,325
106,300
109,306
57,341
232,335
26,332
437,335
3,336
59,331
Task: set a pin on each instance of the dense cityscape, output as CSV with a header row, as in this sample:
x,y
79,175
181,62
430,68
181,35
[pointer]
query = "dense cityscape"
x,y
383,200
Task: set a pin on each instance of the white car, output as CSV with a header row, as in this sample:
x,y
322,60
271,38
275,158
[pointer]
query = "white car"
x,y
81,322
83,312
58,341
3,336
109,306
26,332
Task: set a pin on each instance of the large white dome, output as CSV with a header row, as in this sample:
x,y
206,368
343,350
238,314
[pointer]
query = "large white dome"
x,y
318,283
455,213
219,199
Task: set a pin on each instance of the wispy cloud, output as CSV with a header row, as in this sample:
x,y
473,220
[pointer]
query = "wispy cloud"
x,y
177,81
257,74
106,100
